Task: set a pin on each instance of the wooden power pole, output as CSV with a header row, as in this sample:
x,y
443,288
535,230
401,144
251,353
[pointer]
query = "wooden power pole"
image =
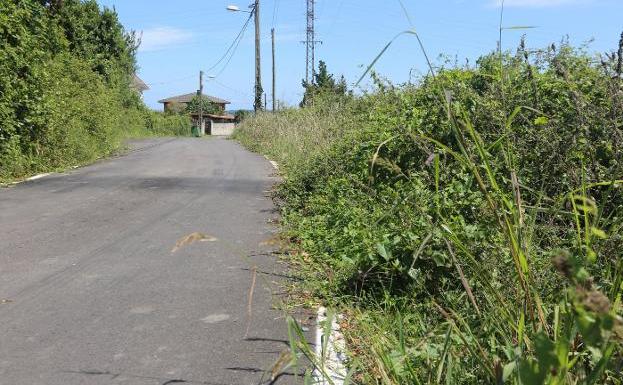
x,y
272,34
200,93
258,72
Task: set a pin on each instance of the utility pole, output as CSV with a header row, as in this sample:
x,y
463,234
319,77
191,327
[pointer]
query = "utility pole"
x,y
257,101
200,92
258,72
272,34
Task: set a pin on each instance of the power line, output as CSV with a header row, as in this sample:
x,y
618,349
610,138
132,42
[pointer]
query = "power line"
x,y
170,81
231,88
231,49
233,52
336,16
275,10
233,45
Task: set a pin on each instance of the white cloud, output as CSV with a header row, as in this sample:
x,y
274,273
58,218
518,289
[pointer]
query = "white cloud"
x,y
161,38
537,3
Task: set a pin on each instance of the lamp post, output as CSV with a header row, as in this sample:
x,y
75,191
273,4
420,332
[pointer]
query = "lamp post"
x,y
255,10
200,95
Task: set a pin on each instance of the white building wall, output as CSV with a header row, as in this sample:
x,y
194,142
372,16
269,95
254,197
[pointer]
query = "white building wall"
x,y
222,129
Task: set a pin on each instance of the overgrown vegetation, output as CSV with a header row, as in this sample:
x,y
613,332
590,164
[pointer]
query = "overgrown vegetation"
x,y
167,124
468,225
207,106
65,86
323,86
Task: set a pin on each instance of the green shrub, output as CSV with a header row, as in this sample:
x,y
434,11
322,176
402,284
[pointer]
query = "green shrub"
x,y
164,124
83,117
208,107
470,224
65,86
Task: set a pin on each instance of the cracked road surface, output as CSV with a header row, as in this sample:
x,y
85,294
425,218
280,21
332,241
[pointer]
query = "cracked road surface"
x,y
91,292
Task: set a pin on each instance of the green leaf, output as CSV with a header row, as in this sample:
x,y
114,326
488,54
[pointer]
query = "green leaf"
x,y
381,54
380,248
535,371
545,352
589,327
509,369
591,255
416,274
541,121
596,354
599,233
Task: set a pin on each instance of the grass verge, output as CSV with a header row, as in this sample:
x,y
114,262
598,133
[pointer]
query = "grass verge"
x,y
468,225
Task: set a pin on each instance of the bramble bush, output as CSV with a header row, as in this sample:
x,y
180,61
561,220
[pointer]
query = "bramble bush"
x,y
469,225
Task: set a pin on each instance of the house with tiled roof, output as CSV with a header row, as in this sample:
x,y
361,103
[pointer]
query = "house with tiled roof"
x,y
220,123
177,103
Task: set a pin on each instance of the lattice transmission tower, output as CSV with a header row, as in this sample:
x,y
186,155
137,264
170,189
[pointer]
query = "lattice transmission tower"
x,y
311,42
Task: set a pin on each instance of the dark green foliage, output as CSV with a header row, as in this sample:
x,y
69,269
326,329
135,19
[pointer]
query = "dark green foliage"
x,y
207,106
65,75
470,223
324,88
242,115
160,123
96,36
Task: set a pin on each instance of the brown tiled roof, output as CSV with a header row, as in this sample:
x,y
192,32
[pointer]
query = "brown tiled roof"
x,y
139,84
188,97
213,116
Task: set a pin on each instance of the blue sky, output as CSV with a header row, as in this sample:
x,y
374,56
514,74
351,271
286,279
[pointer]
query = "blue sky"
x,y
184,36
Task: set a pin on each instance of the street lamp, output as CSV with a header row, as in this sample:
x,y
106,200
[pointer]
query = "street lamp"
x,y
235,8
200,95
255,10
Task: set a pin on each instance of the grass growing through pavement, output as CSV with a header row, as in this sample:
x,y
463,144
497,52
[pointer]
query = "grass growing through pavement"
x,y
469,226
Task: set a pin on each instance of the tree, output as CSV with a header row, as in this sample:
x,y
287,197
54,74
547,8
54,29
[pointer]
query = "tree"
x,y
95,35
242,115
209,107
53,5
65,73
176,108
323,85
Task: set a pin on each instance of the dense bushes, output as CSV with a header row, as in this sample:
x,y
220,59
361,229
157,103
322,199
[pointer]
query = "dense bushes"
x,y
160,123
470,224
65,95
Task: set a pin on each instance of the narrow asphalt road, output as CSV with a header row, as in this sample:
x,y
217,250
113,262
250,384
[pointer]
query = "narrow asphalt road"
x,y
91,292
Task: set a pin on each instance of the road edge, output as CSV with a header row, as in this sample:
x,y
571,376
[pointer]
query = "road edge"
x,y
335,370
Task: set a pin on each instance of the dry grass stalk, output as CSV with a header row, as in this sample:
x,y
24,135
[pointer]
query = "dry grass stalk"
x,y
250,302
192,238
283,362
468,289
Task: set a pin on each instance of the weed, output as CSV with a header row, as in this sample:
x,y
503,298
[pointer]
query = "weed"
x,y
468,224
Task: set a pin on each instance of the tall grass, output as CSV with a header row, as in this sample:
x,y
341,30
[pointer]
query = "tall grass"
x,y
468,226
293,137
